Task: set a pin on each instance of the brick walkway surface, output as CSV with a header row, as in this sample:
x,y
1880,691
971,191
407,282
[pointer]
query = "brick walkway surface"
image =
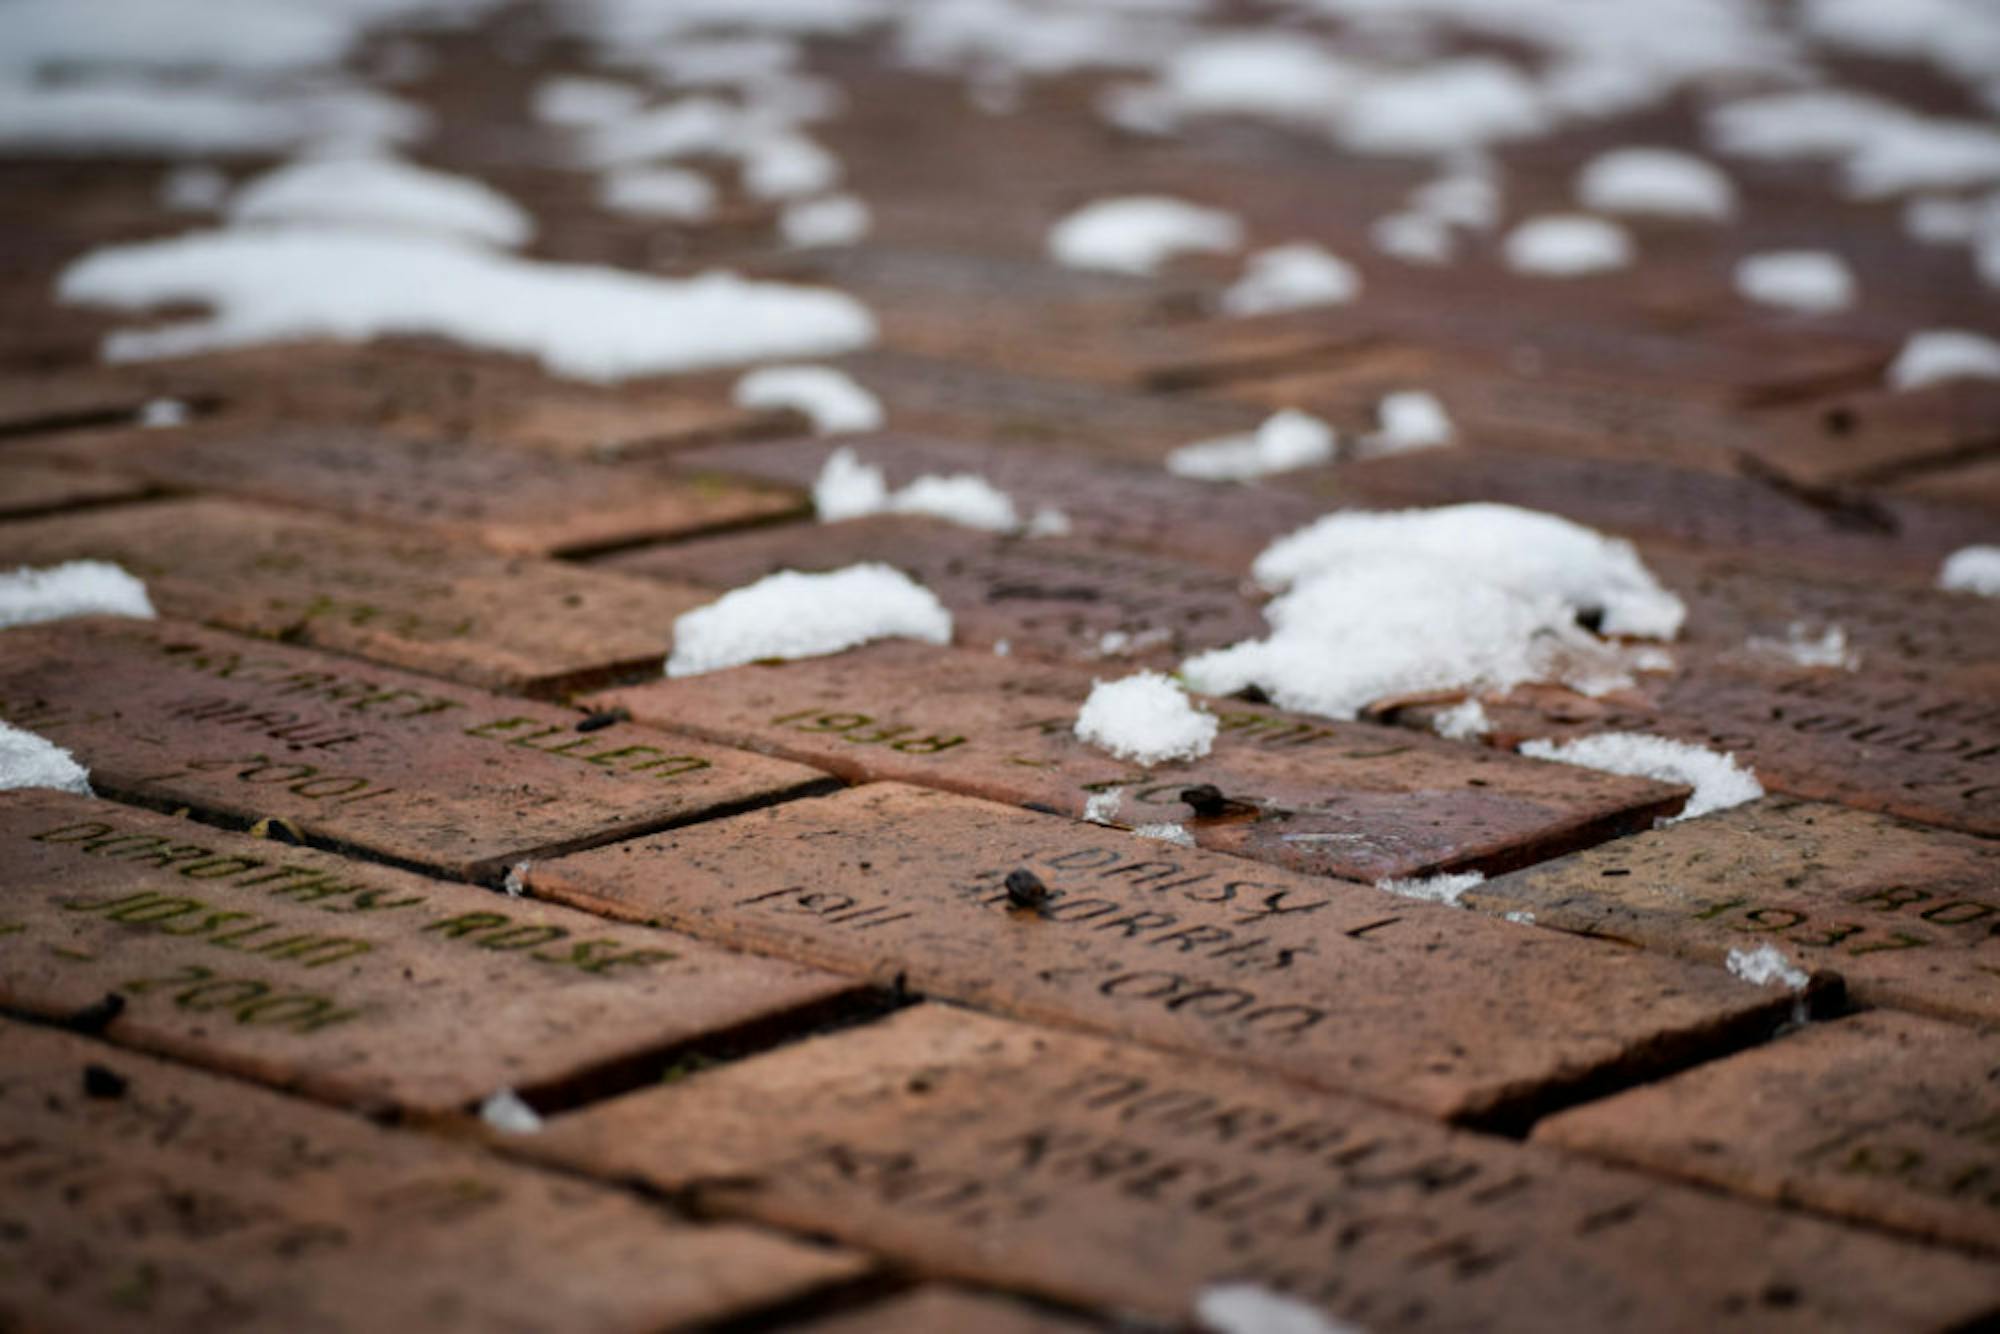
x,y
425,958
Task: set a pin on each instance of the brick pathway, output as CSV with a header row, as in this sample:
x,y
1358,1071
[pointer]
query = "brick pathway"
x,y
395,811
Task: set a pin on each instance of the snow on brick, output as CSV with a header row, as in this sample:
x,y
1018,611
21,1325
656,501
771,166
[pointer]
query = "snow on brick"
x,y
27,760
381,192
122,117
1175,834
1145,718
1285,441
1291,277
1463,598
1883,149
1567,245
1414,238
1448,889
74,588
572,101
834,220
1766,965
1937,355
847,488
1463,721
829,398
1801,647
792,615
1139,233
508,1113
578,320
679,193
1972,570
1409,419
1658,182
1813,282
1251,1308
1719,782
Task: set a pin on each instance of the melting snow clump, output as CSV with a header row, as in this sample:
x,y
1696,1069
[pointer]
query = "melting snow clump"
x,y
27,760
679,193
1462,721
1291,277
74,588
1972,570
579,320
515,883
1166,833
793,615
832,221
1567,245
381,192
850,489
1812,281
829,398
1139,233
1802,648
1660,182
1765,965
1463,598
506,1112
1407,420
1251,1308
161,414
1446,889
1936,355
1285,441
1719,782
1102,808
1145,718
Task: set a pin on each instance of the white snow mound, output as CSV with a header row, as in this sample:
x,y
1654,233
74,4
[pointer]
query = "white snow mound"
x,y
1250,1308
1659,182
1719,782
27,760
1765,965
792,615
74,588
1285,441
827,397
382,192
1447,889
850,489
587,322
1145,718
1812,281
1139,233
1409,419
1934,356
1972,570
1566,245
1291,277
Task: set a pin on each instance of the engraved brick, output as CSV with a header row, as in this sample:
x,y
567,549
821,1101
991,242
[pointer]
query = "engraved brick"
x,y
1427,1007
29,488
408,599
508,499
347,755
1348,799
1101,1174
1882,1118
936,1310
191,1202
354,983
1047,597
1122,504
1909,916
1880,744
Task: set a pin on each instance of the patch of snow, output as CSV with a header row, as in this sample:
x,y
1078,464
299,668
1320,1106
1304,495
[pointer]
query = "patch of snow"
x,y
1407,420
850,489
1469,199
74,588
1802,648
241,36
1972,570
1102,807
688,127
1566,245
1467,598
1883,149
1166,833
1290,277
1937,355
1122,643
1463,721
787,166
160,414
1447,889
679,193
1523,550
1814,282
1660,182
1274,75
790,615
575,102
1719,782
1519,918
1048,521
1002,648
194,188
1251,1308
1446,107
1944,219
829,398
835,220
508,1113
515,882
1766,965
588,322
1286,441
1958,36
1139,233
963,498
1145,718
1414,238
27,760
381,192
100,117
